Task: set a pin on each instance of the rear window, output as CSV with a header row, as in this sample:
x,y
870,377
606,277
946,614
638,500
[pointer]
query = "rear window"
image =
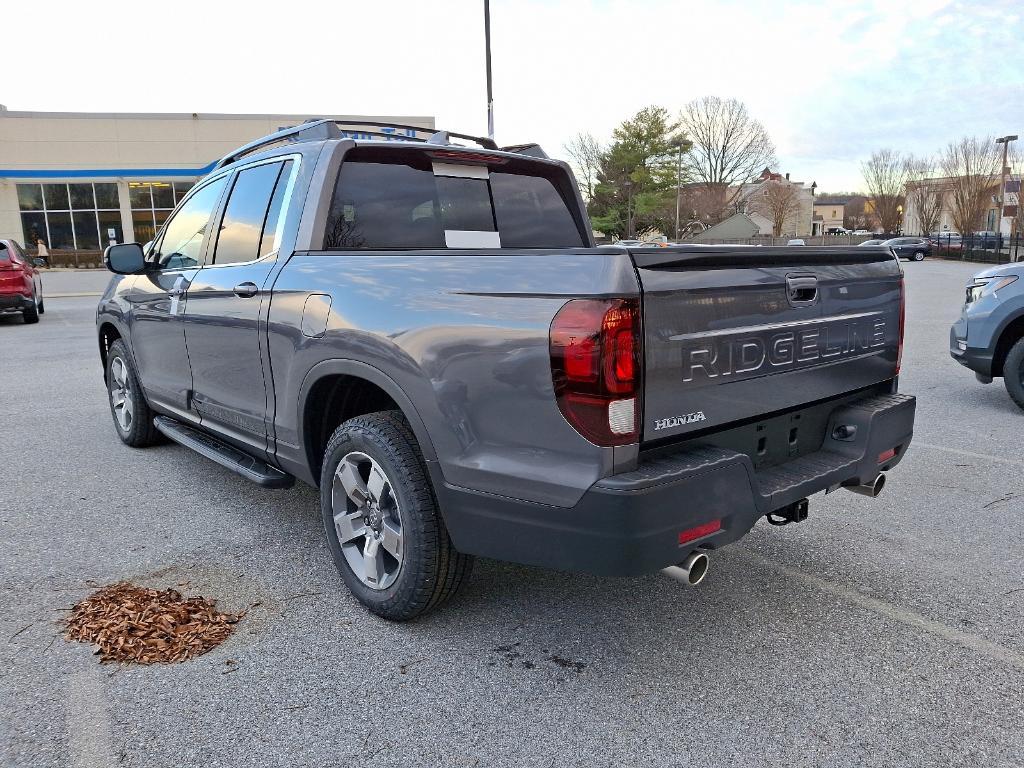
x,y
398,199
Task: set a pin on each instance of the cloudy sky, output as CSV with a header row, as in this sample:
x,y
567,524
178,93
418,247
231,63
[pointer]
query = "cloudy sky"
x,y
831,80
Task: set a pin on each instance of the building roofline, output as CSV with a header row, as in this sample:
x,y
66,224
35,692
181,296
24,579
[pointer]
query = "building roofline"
x,y
300,116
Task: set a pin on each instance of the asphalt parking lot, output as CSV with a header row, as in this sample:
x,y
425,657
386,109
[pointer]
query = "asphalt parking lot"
x,y
880,632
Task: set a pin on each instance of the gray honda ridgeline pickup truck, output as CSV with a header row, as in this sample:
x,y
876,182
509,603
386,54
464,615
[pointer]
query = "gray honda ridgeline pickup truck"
x,y
427,332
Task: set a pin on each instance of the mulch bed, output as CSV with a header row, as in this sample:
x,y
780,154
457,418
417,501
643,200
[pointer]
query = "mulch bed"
x,y
147,626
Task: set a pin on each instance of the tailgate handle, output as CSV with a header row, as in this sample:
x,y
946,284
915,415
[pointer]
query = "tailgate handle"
x,y
801,289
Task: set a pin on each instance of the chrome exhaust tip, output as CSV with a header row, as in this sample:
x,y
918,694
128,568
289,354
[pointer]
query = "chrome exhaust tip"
x,y
691,571
871,489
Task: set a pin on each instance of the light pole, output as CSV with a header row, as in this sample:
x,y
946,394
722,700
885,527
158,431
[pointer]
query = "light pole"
x,y
1005,141
487,56
679,181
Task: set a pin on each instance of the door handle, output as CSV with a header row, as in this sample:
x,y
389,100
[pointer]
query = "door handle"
x,y
246,290
801,289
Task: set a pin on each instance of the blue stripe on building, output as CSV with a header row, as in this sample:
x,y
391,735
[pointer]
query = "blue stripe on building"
x,y
99,173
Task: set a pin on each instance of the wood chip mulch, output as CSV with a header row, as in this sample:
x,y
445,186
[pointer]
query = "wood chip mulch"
x,y
147,626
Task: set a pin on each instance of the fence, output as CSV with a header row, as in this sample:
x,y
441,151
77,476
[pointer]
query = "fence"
x,y
74,259
984,247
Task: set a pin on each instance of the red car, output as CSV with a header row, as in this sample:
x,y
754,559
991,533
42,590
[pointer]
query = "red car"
x,y
21,287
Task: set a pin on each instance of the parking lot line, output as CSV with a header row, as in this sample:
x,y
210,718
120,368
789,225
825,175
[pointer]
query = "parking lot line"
x,y
896,613
88,721
972,454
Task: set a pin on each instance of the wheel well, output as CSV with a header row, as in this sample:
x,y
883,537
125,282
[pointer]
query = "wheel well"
x,y
108,335
1011,335
333,400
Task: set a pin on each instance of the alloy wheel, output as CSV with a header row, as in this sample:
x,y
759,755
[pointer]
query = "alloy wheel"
x,y
367,520
121,398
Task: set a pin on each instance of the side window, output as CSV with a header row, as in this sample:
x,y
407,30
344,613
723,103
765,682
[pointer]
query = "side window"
x,y
248,230
181,244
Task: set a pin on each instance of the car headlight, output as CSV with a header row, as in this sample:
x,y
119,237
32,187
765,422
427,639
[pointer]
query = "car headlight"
x,y
983,286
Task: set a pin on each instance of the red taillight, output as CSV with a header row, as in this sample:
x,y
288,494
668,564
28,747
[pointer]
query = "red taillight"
x,y
884,456
699,532
903,325
595,364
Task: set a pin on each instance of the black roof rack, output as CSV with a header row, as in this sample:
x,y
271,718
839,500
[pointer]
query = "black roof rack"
x,y
314,130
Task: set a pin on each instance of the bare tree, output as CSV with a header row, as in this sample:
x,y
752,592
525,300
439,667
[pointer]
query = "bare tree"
x,y
777,201
584,153
924,193
729,148
885,176
972,166
855,213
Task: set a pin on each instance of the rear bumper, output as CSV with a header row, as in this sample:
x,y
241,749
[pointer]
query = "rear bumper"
x,y
14,302
629,524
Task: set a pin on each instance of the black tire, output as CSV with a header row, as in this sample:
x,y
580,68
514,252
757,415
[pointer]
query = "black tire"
x,y
42,306
1013,373
31,314
140,431
431,571
918,255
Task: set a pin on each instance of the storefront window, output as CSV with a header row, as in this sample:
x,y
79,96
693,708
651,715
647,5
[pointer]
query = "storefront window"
x,y
70,216
152,202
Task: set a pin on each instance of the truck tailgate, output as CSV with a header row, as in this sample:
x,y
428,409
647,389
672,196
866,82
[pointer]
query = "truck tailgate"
x,y
734,333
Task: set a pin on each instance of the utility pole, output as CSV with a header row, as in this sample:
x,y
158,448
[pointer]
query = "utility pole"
x,y
490,94
1005,141
679,182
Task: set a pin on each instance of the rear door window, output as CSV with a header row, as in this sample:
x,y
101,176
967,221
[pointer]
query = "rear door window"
x,y
248,227
398,199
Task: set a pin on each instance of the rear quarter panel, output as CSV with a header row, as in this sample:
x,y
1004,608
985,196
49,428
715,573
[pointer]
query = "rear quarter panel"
x,y
464,334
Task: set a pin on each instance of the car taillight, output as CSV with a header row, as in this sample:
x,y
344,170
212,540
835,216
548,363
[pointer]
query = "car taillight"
x,y
595,365
903,325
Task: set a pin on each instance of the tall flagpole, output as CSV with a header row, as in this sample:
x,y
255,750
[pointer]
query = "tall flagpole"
x,y
490,94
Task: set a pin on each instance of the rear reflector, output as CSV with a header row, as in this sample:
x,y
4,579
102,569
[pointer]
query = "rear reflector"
x,y
692,534
884,456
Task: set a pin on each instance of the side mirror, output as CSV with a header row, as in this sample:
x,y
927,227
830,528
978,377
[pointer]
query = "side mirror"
x,y
37,262
125,258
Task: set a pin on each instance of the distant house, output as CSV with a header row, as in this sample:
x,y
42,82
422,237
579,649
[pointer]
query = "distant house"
x,y
739,226
753,197
829,212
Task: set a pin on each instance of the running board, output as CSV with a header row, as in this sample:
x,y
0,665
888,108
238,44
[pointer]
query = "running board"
x,y
225,454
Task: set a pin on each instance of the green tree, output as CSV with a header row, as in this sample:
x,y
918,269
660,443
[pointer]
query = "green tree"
x,y
636,176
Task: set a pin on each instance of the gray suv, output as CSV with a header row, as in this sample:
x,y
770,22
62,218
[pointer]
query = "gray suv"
x,y
988,337
426,331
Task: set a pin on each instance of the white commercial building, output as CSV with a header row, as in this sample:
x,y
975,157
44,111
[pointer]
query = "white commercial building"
x,y
80,181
